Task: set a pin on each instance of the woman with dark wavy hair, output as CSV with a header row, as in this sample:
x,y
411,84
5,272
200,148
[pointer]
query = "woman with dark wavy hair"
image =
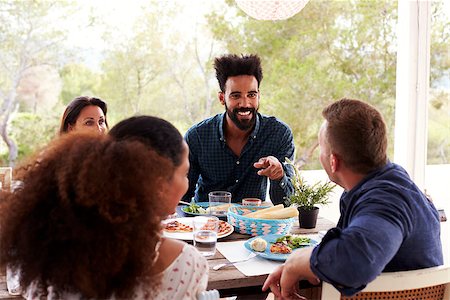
x,y
86,224
85,114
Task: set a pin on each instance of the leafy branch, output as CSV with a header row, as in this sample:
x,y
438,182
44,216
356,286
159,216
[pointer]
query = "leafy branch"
x,y
307,196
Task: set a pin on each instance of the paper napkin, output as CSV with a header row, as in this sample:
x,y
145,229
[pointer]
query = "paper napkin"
x,y
235,251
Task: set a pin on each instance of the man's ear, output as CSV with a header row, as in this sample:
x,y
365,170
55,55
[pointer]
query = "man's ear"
x,y
334,162
221,96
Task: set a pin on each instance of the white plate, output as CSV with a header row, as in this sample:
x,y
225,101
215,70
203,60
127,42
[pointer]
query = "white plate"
x,y
187,236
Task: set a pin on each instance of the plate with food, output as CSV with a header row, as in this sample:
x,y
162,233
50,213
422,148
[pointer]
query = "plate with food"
x,y
278,246
196,208
202,208
181,228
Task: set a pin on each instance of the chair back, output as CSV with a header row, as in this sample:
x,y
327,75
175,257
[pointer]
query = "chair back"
x,y
430,283
5,178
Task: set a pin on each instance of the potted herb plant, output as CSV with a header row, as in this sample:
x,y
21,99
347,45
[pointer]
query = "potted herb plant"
x,y
306,197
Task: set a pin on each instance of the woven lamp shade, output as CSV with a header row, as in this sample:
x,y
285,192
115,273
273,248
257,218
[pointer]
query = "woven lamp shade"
x,y
271,9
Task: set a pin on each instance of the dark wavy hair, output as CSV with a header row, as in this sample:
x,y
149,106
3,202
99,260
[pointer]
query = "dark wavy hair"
x,y
158,134
74,108
356,132
87,218
234,65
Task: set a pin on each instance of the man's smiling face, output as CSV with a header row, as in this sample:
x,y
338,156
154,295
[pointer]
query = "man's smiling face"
x,y
241,100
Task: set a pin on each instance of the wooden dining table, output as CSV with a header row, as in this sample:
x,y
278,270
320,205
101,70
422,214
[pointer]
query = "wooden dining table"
x,y
229,280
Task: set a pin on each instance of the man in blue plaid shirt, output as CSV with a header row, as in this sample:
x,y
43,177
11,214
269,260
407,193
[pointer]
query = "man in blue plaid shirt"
x,y
240,150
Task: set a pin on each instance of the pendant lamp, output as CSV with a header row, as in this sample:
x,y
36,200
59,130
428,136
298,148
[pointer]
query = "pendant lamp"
x,y
271,9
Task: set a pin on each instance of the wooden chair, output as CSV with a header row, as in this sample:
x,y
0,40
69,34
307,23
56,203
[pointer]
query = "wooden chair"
x,y
5,177
430,284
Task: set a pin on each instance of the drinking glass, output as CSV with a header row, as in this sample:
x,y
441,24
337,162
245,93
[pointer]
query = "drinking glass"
x,y
219,202
251,201
205,234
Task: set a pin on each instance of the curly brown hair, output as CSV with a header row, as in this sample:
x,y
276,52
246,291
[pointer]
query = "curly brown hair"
x,y
356,131
87,218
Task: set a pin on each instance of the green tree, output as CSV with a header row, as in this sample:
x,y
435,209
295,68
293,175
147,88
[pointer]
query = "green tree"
x,y
134,65
78,80
28,39
439,104
330,50
39,89
160,71
34,137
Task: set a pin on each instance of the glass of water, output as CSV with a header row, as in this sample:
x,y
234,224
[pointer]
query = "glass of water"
x,y
219,202
205,234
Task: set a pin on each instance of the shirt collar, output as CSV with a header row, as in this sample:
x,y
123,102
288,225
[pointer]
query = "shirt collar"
x,y
347,194
253,135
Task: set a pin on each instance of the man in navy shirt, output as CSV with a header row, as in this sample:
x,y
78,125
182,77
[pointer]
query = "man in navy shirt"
x,y
238,150
387,224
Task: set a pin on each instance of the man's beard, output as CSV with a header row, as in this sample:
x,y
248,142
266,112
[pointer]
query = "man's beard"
x,y
244,124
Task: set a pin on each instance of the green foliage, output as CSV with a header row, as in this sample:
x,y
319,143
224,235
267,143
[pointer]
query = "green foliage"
x,y
78,80
438,150
307,196
158,71
32,36
440,40
330,50
32,132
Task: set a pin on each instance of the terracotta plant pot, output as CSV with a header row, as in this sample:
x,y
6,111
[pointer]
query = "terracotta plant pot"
x,y
307,218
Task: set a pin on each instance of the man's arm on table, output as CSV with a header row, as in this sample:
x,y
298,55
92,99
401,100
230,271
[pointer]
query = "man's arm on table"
x,y
351,258
348,259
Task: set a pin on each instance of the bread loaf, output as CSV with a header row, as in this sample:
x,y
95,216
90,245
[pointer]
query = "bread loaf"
x,y
256,214
285,213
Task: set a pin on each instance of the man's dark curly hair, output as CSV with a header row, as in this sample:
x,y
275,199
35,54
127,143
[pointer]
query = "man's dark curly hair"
x,y
87,218
234,65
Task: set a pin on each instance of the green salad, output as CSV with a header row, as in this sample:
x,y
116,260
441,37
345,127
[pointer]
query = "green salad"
x,y
294,241
194,208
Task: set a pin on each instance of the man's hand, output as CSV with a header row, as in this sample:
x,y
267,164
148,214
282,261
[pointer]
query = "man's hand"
x,y
273,282
270,167
283,282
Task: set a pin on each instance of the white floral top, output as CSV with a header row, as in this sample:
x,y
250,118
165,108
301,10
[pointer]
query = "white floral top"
x,y
183,279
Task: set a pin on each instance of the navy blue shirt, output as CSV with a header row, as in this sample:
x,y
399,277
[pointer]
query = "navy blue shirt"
x,y
387,224
214,167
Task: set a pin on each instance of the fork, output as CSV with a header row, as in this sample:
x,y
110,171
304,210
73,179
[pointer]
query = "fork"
x,y
220,266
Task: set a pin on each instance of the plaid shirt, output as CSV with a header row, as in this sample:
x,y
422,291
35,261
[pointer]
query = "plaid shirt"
x,y
214,167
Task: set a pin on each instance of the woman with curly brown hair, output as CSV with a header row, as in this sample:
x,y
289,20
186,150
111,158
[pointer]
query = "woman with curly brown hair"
x,y
86,223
